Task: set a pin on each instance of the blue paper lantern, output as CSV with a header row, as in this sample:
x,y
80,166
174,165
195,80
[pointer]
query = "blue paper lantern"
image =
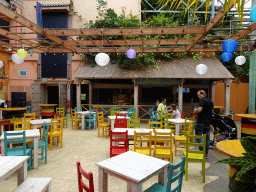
x,y
253,13
229,46
131,54
226,57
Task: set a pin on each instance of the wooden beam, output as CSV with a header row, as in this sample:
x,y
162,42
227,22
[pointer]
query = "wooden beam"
x,y
124,31
26,23
245,32
212,23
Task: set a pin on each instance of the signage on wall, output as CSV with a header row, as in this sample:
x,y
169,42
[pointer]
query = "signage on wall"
x,y
44,79
162,81
83,96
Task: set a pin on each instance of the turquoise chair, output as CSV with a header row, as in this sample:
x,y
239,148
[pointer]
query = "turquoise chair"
x,y
92,120
17,151
153,115
43,144
171,179
131,111
78,109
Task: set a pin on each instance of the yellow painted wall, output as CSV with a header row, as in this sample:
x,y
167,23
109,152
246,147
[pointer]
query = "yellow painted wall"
x,y
239,97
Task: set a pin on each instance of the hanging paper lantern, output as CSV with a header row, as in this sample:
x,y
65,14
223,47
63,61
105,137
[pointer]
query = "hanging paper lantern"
x,y
22,53
240,60
229,46
226,57
201,69
131,53
253,13
102,59
16,59
1,64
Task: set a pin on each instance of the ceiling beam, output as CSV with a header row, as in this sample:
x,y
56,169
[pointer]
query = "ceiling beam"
x,y
212,23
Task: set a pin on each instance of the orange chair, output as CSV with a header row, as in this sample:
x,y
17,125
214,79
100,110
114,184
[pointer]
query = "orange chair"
x,y
81,184
118,143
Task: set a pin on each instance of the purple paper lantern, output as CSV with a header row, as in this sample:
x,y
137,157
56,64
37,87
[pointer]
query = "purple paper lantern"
x,y
229,46
226,57
131,54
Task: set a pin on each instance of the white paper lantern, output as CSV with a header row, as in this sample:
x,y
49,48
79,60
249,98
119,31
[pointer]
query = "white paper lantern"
x,y
102,59
1,64
240,60
16,59
201,69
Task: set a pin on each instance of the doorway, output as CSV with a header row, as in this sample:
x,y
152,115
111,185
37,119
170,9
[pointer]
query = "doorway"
x,y
53,95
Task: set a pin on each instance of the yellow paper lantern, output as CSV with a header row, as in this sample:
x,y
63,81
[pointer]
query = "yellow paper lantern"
x,y
22,53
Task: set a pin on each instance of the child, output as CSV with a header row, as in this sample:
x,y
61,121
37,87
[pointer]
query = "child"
x,y
175,111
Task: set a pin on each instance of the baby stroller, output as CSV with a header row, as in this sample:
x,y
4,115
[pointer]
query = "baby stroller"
x,y
224,128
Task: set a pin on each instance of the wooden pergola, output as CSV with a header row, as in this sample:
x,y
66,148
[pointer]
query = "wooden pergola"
x,y
43,45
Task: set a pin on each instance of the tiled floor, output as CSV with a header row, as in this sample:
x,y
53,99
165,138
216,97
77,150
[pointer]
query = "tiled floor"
x,y
88,148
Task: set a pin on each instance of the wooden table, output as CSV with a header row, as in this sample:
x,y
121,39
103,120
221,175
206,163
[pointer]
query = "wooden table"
x,y
248,124
231,148
32,134
11,164
83,114
177,123
11,109
111,120
39,122
135,168
4,122
218,109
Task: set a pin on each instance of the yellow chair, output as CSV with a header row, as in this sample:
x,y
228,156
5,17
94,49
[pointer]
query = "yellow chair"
x,y
61,111
133,123
192,119
181,139
142,142
165,149
186,125
195,155
102,125
22,125
56,130
157,125
75,119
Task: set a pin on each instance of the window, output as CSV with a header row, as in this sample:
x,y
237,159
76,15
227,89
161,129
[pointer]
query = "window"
x,y
23,73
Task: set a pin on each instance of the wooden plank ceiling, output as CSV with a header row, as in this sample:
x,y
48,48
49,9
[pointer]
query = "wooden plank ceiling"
x,y
50,41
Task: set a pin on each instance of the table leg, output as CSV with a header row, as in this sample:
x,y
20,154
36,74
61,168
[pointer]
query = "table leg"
x,y
162,177
35,153
112,124
2,129
103,180
134,187
2,147
177,129
22,173
1,114
82,123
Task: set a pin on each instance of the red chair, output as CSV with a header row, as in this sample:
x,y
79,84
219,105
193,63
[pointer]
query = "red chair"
x,y
97,108
118,143
120,123
81,184
57,115
182,114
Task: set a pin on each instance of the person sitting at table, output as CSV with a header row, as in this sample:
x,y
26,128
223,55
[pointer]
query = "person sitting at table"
x,y
175,112
156,106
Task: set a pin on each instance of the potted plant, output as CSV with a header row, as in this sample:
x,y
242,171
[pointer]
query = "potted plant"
x,y
244,179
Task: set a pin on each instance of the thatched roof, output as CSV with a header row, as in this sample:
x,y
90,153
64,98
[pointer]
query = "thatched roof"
x,y
176,68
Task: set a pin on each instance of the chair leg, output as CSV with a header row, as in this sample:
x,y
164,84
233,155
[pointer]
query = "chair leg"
x,y
186,171
98,131
203,171
105,131
61,141
50,143
45,154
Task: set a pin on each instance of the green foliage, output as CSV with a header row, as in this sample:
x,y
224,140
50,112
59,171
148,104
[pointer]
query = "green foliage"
x,y
247,163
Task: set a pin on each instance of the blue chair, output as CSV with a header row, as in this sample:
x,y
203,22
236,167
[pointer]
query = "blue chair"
x,y
231,112
153,115
17,151
43,144
92,120
171,179
78,109
131,111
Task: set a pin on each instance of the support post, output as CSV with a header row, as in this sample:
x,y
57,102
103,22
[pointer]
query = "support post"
x,y
90,94
252,83
227,96
136,97
180,95
68,99
213,91
78,94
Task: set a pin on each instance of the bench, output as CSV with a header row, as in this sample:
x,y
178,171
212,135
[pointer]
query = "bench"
x,y
35,184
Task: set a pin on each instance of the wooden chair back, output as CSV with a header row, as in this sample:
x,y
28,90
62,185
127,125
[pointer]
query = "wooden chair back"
x,y
21,125
142,142
133,123
29,116
82,186
157,125
118,143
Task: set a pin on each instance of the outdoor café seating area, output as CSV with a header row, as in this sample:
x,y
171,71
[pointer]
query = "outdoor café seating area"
x,y
121,152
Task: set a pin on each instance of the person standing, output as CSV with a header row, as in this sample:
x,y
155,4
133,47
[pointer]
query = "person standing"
x,y
204,115
156,106
161,110
175,112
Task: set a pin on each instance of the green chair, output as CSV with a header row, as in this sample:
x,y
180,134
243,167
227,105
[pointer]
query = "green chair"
x,y
114,110
17,151
195,155
184,131
166,123
133,123
61,111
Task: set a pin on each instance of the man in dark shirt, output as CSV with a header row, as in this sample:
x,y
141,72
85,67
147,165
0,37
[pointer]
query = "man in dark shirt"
x,y
204,115
156,106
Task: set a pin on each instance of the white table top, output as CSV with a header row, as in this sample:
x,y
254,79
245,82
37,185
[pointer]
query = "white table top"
x,y
28,133
114,117
83,112
40,121
177,121
123,112
10,164
133,166
140,130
